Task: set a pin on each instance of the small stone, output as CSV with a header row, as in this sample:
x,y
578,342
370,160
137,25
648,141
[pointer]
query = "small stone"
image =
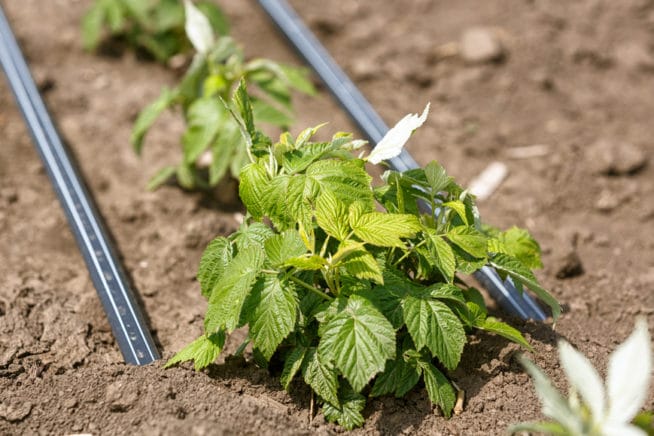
x,y
616,157
121,396
15,412
607,201
364,69
569,265
481,45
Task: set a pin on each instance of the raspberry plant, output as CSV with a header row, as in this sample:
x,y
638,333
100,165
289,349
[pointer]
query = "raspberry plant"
x,y
353,289
155,27
211,131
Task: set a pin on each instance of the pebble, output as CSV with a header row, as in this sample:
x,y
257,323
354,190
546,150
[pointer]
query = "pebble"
x,y
15,412
616,157
607,201
481,45
569,265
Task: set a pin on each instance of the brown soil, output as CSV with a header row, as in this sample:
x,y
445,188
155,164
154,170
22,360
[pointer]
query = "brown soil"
x,y
576,77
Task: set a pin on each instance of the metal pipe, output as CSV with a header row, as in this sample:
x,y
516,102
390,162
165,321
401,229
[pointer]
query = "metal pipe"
x,y
118,300
374,128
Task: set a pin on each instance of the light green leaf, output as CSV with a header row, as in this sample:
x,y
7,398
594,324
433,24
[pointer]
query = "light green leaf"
x,y
470,240
298,78
549,428
292,365
320,374
252,188
92,26
437,177
348,412
460,209
432,324
332,215
231,290
161,177
359,339
385,229
447,292
307,263
347,180
148,116
203,351
284,246
244,105
256,234
519,244
398,378
439,389
362,265
214,260
204,118
493,325
442,254
185,176
517,271
271,312
226,151
266,113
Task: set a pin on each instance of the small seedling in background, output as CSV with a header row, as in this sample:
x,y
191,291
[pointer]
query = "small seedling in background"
x,y
153,26
593,408
348,286
212,138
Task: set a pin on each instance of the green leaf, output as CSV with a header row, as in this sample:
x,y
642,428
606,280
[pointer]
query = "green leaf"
x,y
292,364
442,254
148,116
437,177
306,263
460,209
519,244
470,240
92,26
298,78
204,118
332,215
493,325
348,412
252,188
282,247
232,289
387,299
398,378
256,234
271,310
266,113
214,260
362,265
359,339
203,351
518,272
161,177
347,180
226,151
321,375
432,324
447,292
244,105
385,229
549,428
439,389
185,176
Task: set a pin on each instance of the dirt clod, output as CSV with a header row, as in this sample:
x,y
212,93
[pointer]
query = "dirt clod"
x,y
15,411
480,45
617,158
569,265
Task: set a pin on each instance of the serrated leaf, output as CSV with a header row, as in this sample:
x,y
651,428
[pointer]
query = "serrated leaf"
x,y
398,378
292,364
432,324
518,272
332,215
271,311
264,112
320,374
307,263
203,351
232,289
447,292
347,180
519,244
363,266
469,239
203,117
282,247
442,254
388,300
256,234
496,326
244,105
385,229
214,260
460,209
466,263
436,177
226,151
252,188
439,389
348,412
148,116
359,339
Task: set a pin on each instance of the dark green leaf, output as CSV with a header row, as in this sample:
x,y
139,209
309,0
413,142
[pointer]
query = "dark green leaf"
x,y
398,378
320,374
348,412
292,365
439,388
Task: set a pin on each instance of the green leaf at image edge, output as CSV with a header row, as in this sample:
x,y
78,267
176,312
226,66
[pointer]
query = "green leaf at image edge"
x,y
203,351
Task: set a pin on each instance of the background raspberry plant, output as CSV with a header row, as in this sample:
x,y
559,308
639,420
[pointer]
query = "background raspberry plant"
x,y
353,288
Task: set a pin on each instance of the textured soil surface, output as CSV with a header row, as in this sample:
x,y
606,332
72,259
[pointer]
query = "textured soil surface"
x,y
561,92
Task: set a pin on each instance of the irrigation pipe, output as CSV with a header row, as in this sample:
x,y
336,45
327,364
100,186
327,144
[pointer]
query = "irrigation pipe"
x,y
372,126
118,300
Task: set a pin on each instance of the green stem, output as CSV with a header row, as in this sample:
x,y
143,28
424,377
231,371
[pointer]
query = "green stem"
x,y
313,289
409,251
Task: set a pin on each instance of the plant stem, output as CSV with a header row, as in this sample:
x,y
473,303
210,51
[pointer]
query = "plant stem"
x,y
313,289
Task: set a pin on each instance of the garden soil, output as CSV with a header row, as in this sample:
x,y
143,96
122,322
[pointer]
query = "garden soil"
x,y
560,92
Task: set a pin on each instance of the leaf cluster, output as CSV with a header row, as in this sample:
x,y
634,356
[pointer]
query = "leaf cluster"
x,y
155,27
212,145
353,288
